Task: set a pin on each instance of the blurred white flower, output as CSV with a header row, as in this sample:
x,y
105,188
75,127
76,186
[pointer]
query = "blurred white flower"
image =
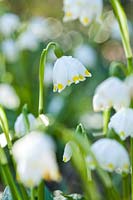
x,y
10,50
110,155
27,41
68,70
55,105
35,158
122,123
84,10
38,27
9,23
86,54
20,126
111,93
8,96
67,152
129,83
92,120
3,141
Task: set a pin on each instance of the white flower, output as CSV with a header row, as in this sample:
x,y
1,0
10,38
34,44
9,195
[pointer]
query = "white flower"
x,y
37,26
8,96
9,23
20,126
68,70
35,158
67,152
111,93
122,123
86,54
27,41
84,10
3,141
129,83
110,155
10,50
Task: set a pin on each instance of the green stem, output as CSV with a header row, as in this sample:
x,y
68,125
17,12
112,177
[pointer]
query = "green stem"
x,y
130,65
8,176
131,146
58,52
4,126
122,21
32,194
41,76
125,187
106,117
41,191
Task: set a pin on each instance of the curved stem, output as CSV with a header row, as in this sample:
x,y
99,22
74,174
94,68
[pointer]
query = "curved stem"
x,y
41,76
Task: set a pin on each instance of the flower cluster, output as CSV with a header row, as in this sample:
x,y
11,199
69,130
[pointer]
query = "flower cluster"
x,y
111,93
84,10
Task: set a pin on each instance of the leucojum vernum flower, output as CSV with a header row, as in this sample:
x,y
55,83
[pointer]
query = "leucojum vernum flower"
x,y
100,146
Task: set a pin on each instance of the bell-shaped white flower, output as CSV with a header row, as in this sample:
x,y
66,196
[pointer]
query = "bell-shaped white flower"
x,y
9,23
129,83
67,152
122,123
8,96
110,155
111,93
68,70
35,159
20,126
84,10
10,50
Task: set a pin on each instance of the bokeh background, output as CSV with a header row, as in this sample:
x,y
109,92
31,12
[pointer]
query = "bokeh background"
x,y
39,22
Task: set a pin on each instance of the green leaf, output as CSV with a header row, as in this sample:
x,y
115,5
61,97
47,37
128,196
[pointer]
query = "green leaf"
x,y
48,195
7,194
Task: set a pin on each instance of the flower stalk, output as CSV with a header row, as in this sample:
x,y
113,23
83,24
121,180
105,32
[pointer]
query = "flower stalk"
x,y
122,21
58,53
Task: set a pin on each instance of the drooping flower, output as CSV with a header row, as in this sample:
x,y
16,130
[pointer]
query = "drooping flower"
x,y
10,50
67,152
35,158
122,123
9,23
20,124
68,70
8,96
111,93
84,10
110,155
129,83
